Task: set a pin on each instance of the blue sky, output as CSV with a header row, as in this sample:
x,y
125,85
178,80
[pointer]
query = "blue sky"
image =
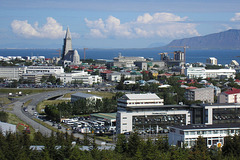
x,y
110,23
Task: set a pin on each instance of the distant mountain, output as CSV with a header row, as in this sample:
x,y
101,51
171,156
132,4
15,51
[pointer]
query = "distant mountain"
x,y
153,45
229,39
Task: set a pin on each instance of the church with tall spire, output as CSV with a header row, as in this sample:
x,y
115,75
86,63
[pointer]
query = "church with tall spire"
x,y
69,56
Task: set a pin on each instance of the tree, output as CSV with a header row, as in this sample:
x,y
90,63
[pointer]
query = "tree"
x,y
199,150
51,79
134,143
121,145
3,116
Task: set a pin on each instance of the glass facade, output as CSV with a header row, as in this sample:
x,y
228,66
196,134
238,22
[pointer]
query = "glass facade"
x,y
152,123
226,115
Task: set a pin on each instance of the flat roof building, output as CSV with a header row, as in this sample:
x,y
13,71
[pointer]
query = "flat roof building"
x,y
146,113
201,94
12,72
80,95
212,134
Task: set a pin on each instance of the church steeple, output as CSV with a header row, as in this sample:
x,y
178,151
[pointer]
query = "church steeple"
x,y
68,34
67,43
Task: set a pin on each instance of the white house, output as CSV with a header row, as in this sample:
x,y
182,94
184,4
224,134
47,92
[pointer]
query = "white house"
x,y
229,96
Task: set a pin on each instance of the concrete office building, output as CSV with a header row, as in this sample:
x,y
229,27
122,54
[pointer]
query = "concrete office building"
x,y
213,134
201,72
146,113
201,94
80,76
12,72
45,69
211,61
128,62
211,121
36,77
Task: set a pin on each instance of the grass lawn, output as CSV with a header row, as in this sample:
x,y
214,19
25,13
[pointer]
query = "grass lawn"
x,y
101,94
13,119
25,90
4,100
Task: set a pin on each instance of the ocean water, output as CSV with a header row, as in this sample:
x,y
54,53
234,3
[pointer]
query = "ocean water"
x,y
192,56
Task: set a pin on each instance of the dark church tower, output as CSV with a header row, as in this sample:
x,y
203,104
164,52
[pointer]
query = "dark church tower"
x,y
67,44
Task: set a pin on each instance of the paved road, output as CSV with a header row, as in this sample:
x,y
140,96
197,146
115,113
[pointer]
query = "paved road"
x,y
37,98
27,116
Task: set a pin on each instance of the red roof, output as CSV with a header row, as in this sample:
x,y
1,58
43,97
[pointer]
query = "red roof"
x,y
232,91
237,80
107,71
102,67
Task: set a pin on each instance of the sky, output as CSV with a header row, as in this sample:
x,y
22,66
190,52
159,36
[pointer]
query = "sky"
x,y
111,23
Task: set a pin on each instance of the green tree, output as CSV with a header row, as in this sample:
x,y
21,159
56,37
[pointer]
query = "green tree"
x,y
199,150
121,144
134,143
3,116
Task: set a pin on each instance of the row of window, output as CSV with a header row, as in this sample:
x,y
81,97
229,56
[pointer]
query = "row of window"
x,y
210,132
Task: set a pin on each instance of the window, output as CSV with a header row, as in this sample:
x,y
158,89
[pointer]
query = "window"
x,y
124,123
124,117
209,142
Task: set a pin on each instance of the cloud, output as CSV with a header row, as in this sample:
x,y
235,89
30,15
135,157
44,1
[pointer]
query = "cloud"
x,y
52,29
236,17
157,25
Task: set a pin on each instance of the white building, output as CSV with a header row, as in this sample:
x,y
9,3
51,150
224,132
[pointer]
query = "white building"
x,y
211,121
195,72
201,72
45,69
114,77
7,127
146,113
79,95
214,134
229,96
12,72
122,61
211,61
80,76
234,63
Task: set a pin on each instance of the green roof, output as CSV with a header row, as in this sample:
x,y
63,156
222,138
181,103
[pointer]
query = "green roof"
x,y
108,116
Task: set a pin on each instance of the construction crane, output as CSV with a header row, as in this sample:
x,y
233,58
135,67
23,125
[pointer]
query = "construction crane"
x,y
184,47
163,53
84,51
59,53
26,130
166,54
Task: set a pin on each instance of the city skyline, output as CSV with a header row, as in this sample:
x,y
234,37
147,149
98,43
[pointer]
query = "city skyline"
x,y
112,24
